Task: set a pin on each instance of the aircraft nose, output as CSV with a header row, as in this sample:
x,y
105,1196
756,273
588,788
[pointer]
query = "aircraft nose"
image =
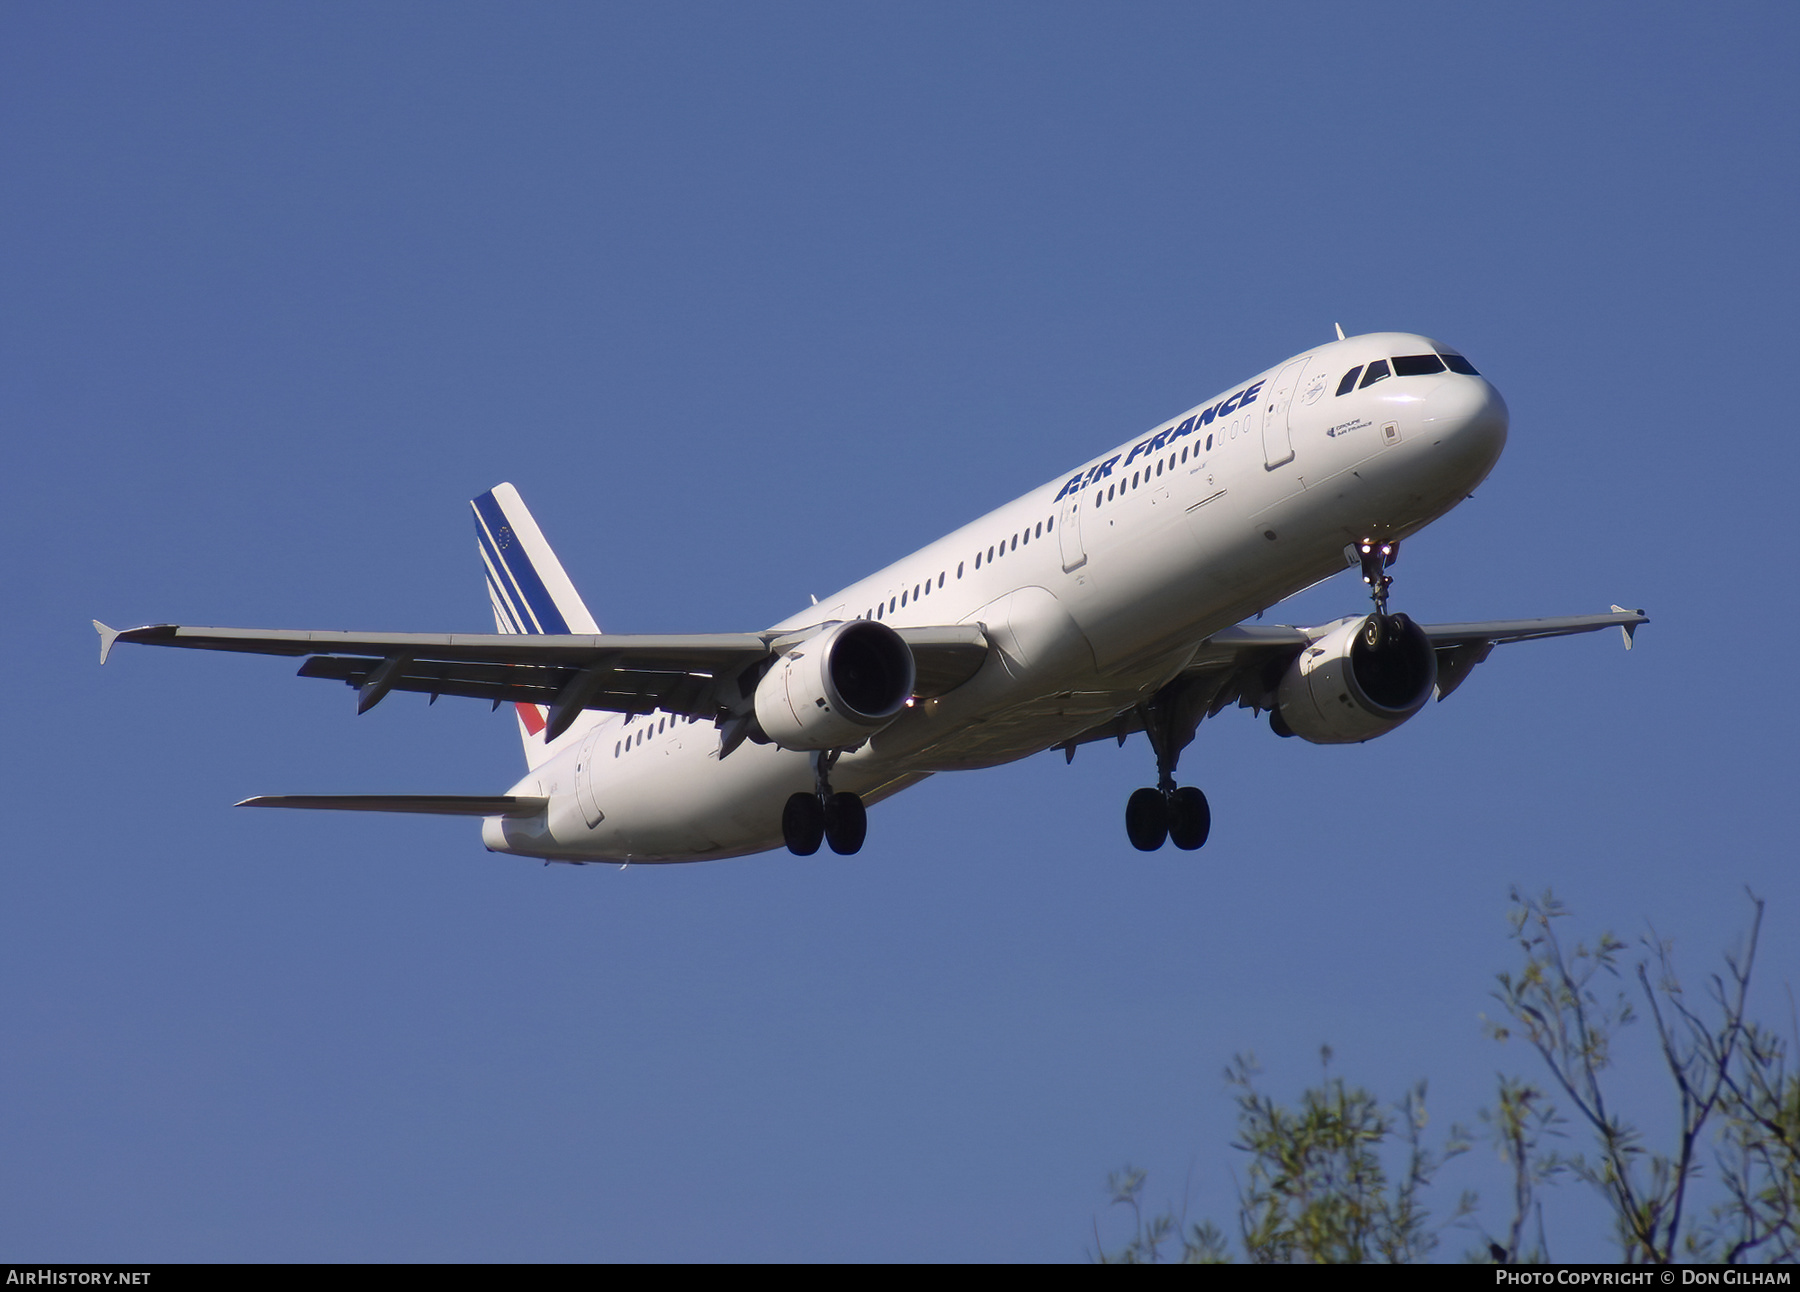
x,y
1467,416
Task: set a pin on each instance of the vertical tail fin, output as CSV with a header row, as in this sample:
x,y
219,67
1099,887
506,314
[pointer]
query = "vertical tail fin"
x,y
531,593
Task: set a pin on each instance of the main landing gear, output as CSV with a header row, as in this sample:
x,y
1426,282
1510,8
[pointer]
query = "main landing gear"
x,y
1178,814
824,817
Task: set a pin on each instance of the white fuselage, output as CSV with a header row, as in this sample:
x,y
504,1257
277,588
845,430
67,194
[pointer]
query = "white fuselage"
x,y
1094,590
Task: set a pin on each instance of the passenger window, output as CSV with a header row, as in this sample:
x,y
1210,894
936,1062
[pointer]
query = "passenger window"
x,y
915,592
1015,546
1109,493
959,569
1159,467
1378,371
1456,363
1050,524
1348,384
1209,444
978,560
1417,365
1184,455
890,605
990,553
1040,529
940,578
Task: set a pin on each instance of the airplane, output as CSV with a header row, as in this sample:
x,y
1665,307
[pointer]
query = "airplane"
x,y
1111,600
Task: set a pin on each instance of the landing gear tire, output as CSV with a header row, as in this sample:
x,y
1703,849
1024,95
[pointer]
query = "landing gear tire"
x,y
1190,818
1147,819
803,824
846,823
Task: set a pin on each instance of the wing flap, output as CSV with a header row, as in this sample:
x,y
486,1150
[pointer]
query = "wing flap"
x,y
620,691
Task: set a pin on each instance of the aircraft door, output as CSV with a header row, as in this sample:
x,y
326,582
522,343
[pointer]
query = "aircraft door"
x,y
1068,531
1278,444
584,779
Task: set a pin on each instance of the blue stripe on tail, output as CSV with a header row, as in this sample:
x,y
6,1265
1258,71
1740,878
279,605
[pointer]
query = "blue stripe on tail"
x,y
522,589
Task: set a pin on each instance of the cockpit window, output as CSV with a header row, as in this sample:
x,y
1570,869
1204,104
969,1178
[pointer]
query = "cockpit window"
x,y
1417,365
1456,363
1348,384
1378,371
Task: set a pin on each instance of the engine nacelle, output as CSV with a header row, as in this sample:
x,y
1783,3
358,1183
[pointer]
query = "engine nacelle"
x,y
1359,681
836,690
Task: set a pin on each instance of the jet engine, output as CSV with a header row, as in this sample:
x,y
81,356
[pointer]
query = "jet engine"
x,y
837,689
1361,680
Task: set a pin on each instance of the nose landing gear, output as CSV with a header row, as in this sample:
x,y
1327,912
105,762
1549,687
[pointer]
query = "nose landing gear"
x,y
807,820
1376,557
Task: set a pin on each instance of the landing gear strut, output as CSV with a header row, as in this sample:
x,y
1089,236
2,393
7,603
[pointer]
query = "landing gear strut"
x,y
822,816
1179,814
1376,557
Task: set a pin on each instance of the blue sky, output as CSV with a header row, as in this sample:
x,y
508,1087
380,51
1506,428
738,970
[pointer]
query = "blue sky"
x,y
748,301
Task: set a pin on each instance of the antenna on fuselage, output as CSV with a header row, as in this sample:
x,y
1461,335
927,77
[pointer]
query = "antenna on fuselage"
x,y
1340,330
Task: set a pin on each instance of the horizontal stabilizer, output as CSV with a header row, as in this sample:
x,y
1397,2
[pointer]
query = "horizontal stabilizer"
x,y
438,804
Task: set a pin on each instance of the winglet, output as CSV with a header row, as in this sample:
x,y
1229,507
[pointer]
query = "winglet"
x,y
1626,630
1340,330
107,637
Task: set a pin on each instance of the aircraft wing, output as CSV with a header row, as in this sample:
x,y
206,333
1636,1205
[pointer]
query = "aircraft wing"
x,y
693,674
1460,647
435,804
1245,663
